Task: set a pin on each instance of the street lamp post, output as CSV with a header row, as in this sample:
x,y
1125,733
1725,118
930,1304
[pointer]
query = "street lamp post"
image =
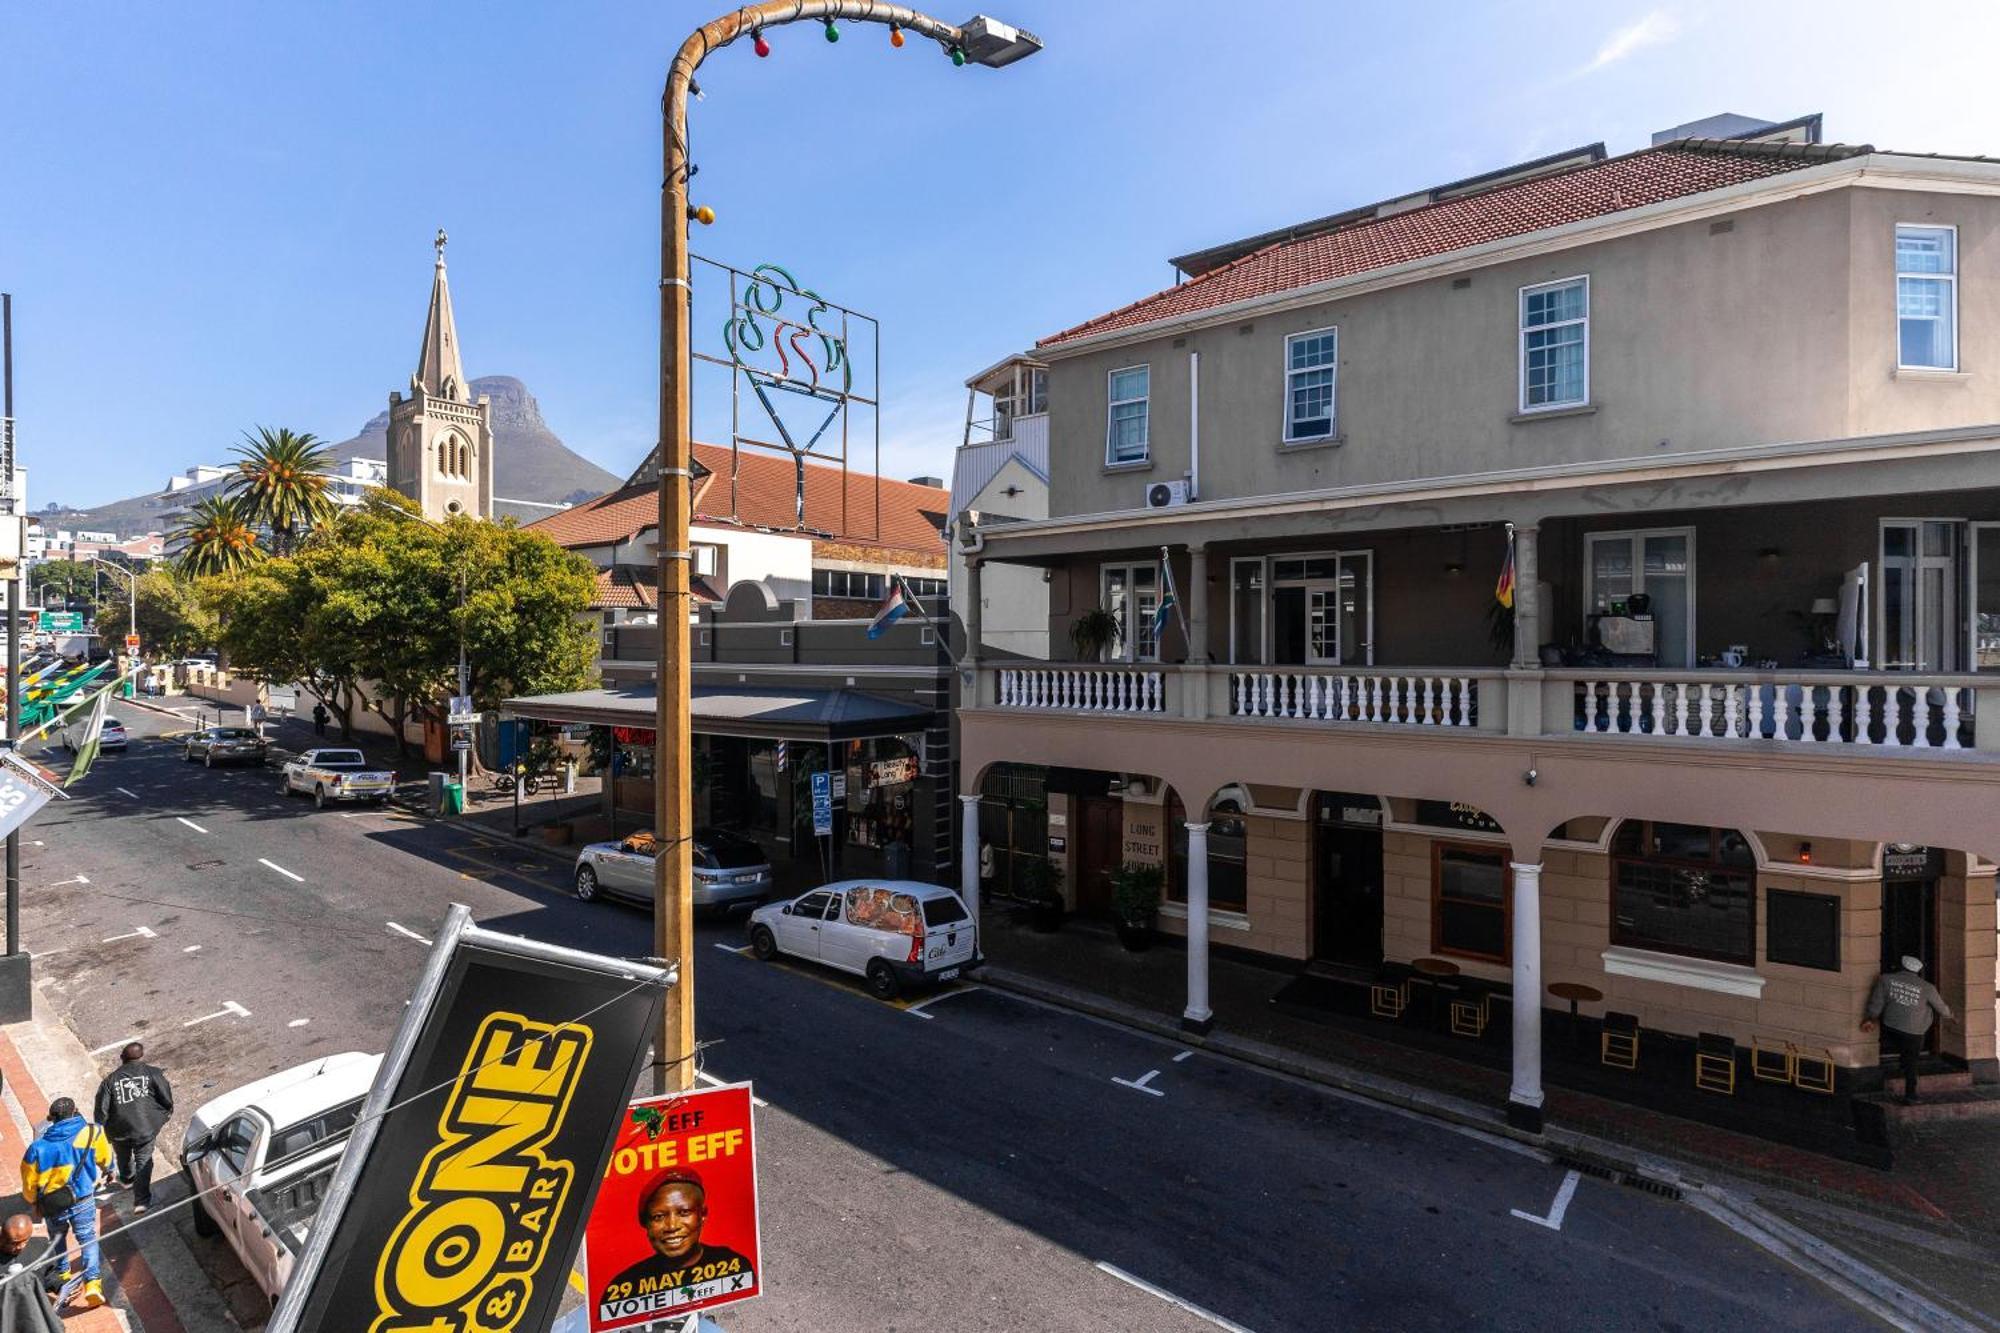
x,y
981,41
131,611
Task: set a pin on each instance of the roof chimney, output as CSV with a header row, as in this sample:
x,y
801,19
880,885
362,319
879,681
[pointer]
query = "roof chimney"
x,y
1729,125
936,483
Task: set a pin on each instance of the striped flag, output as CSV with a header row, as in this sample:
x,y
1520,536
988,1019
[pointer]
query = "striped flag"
x,y
893,609
86,753
1503,591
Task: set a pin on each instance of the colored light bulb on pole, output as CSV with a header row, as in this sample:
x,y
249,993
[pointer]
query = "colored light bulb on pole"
x,y
896,35
958,55
760,46
832,33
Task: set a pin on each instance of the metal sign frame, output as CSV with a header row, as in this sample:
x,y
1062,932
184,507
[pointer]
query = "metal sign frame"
x,y
788,346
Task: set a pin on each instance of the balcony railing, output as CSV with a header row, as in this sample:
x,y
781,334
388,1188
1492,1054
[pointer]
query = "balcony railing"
x,y
1323,696
1083,689
1892,710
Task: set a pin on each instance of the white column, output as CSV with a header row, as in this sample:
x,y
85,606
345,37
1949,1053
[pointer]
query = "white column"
x,y
1198,1016
1524,1098
968,861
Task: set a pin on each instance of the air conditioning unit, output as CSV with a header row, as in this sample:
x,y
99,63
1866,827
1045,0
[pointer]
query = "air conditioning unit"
x,y
1166,494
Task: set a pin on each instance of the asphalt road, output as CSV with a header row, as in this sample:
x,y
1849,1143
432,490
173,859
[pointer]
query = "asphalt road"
x,y
979,1163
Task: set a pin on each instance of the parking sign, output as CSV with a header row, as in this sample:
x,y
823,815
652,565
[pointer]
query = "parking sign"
x,y
822,788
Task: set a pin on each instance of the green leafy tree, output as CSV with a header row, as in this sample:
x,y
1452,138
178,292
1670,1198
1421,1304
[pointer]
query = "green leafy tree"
x,y
281,482
64,581
216,537
177,616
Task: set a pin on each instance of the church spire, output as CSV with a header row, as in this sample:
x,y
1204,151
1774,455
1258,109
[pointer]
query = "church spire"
x,y
438,369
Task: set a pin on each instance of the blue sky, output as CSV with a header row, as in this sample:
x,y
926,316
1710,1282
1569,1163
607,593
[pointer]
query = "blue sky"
x,y
217,215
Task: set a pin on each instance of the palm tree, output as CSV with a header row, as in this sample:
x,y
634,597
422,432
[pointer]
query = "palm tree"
x,y
216,537
282,482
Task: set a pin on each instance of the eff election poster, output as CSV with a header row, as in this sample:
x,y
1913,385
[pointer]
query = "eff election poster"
x,y
675,1225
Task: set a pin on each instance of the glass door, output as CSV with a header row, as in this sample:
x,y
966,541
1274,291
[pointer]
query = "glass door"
x,y
1357,608
1658,563
1323,623
1920,591
1983,654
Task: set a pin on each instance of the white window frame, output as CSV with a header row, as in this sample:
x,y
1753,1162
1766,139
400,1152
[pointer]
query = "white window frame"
x,y
1333,405
1950,281
1637,538
1522,330
1110,420
1127,647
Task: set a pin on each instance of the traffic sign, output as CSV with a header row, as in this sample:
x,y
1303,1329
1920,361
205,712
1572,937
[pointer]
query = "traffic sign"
x,y
62,622
131,643
822,789
461,742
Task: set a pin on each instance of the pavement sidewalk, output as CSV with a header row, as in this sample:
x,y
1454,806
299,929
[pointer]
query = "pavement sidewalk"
x,y
153,1282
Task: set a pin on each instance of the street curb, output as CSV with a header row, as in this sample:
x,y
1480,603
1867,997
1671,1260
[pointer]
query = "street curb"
x,y
1707,1191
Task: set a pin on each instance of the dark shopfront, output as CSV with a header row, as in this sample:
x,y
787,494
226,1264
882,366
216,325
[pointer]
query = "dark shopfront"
x,y
755,751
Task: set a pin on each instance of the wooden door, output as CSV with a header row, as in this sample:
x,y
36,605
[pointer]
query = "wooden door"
x,y
1100,851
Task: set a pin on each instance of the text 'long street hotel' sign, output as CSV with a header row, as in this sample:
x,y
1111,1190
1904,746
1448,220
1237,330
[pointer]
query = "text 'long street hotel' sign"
x,y
463,1190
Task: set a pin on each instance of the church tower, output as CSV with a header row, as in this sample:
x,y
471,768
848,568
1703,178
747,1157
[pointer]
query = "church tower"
x,y
440,440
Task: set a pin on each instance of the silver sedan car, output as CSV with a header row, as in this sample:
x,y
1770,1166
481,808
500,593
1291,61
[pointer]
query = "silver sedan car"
x,y
729,870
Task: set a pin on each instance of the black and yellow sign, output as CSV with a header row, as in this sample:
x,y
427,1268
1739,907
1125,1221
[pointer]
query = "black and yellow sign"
x,y
464,1211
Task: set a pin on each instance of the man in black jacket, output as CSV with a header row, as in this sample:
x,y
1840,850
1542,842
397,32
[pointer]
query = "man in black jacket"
x,y
133,1103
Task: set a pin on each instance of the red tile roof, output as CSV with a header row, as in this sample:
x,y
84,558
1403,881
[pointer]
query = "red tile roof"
x,y
637,588
912,516
1649,176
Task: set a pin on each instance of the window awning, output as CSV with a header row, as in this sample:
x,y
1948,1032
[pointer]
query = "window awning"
x,y
774,713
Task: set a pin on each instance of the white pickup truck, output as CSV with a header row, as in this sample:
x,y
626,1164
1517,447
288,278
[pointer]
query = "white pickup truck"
x,y
264,1155
337,775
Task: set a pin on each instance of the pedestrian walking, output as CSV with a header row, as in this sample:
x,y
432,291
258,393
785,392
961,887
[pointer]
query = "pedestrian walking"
x,y
1905,1003
59,1175
133,1104
320,716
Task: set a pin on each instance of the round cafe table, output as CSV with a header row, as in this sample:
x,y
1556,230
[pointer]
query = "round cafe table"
x,y
1574,991
1434,970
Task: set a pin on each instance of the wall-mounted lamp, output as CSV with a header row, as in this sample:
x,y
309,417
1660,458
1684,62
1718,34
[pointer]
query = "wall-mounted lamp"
x,y
1805,853
1529,777
1454,568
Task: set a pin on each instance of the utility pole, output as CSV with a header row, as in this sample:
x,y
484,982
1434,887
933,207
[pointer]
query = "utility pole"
x,y
16,985
980,41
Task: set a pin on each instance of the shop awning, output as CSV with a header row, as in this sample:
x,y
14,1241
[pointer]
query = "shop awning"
x,y
777,714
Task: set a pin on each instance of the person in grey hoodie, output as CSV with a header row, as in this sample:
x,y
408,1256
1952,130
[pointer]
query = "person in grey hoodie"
x,y
1905,1003
133,1103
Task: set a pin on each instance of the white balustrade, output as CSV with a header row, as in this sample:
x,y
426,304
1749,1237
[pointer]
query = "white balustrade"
x,y
1081,689
1899,713
1323,696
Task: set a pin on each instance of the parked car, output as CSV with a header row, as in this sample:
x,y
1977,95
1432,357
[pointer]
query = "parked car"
x,y
897,933
259,1158
337,775
729,869
113,736
227,745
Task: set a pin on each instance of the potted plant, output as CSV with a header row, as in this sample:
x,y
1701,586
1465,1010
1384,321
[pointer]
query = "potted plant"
x,y
1041,887
1135,899
1093,632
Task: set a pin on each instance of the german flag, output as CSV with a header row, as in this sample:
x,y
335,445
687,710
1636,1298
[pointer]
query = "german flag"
x,y
1503,591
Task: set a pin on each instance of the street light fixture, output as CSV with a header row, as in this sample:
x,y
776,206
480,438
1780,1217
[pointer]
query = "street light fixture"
x,y
132,611
981,40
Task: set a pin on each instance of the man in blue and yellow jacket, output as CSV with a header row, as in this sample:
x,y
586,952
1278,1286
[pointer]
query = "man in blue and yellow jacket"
x,y
59,1176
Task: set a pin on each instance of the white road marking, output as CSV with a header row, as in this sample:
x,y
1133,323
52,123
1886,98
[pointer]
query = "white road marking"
x,y
142,933
354,814
273,865
715,1082
192,948
1564,1193
228,1007
74,879
731,948
191,824
921,1005
113,1045
1139,1084
1182,1056
127,791
407,933
298,1022
38,843
1208,1316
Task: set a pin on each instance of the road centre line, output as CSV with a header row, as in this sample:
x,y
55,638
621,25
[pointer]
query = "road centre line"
x,y
407,933
1208,1315
298,1022
1564,1193
281,870
191,824
127,791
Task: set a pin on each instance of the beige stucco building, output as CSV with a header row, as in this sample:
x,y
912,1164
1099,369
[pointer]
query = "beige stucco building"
x,y
1729,405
